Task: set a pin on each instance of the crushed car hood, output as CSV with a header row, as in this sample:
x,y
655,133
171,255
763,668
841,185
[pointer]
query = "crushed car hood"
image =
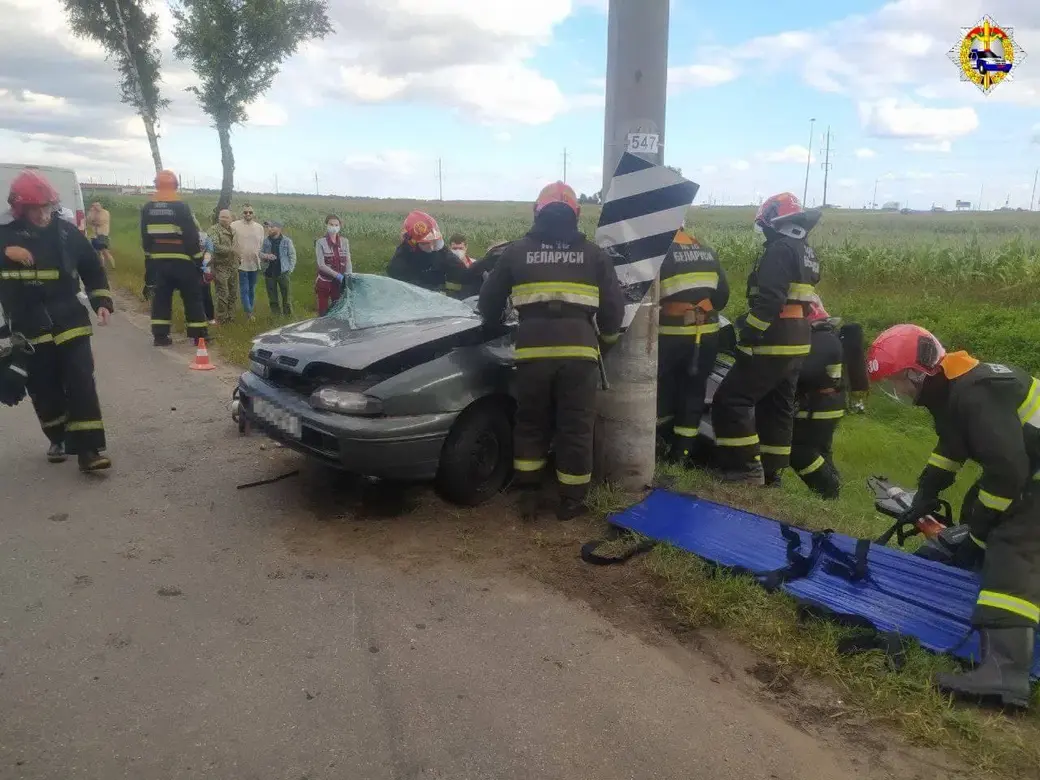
x,y
331,341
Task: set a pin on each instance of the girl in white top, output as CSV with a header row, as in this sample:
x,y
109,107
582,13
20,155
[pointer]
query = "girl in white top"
x,y
332,252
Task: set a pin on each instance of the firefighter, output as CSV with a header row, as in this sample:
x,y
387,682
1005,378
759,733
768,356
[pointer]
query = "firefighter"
x,y
173,260
42,260
424,260
753,409
693,292
565,290
821,399
988,413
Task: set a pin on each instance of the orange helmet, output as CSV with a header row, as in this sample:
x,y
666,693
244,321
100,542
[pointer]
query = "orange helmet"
x,y
557,192
778,208
421,230
30,188
166,181
904,347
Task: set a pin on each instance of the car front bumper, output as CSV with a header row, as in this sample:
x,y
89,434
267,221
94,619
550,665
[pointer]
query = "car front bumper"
x,y
398,448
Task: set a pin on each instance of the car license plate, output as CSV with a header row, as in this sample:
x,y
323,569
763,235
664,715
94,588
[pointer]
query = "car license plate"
x,y
281,419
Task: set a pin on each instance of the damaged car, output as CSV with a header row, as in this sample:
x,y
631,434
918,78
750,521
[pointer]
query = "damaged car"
x,y
395,382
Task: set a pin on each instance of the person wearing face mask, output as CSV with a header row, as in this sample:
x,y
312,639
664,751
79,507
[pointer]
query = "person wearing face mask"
x,y
988,413
42,261
423,259
333,256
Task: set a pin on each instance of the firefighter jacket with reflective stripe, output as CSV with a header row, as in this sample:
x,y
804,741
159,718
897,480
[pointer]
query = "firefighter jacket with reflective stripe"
x,y
779,291
563,291
821,382
169,231
41,301
440,270
988,413
691,277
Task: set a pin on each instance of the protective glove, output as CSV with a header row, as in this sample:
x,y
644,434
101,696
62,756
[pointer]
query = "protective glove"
x,y
13,378
858,401
966,554
922,504
207,276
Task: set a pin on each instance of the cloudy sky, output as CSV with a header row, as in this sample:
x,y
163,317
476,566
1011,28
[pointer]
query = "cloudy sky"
x,y
497,89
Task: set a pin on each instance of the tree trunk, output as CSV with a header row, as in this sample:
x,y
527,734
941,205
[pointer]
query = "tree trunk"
x,y
153,142
227,160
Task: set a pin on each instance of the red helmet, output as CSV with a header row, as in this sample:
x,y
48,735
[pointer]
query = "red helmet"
x,y
904,347
557,192
777,208
166,181
420,228
30,188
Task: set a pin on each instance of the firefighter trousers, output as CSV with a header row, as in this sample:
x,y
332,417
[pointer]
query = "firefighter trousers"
x,y
680,390
556,404
1010,592
181,276
64,395
752,412
812,455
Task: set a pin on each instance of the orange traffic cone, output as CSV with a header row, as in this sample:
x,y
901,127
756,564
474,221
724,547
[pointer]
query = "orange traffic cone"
x,y
201,362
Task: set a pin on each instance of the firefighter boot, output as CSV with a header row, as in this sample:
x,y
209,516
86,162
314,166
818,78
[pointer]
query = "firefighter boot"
x,y
749,474
772,479
1007,656
824,482
569,509
529,503
56,453
93,461
162,341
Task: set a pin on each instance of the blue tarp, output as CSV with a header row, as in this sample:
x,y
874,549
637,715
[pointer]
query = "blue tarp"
x,y
902,593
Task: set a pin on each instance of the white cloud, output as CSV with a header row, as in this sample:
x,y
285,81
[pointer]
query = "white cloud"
x,y
502,136
893,118
740,165
865,154
699,76
264,113
942,147
791,154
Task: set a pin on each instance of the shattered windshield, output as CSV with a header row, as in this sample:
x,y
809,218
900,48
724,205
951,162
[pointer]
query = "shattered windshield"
x,y
370,300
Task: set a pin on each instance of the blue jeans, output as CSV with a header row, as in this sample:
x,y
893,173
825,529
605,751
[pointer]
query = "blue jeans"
x,y
247,288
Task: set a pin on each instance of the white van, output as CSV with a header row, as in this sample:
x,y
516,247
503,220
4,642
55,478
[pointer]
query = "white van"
x,y
64,180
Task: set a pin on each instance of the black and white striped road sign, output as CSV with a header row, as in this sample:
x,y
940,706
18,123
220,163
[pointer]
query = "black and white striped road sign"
x,y
643,209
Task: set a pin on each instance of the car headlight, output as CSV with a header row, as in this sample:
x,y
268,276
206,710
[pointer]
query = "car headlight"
x,y
333,399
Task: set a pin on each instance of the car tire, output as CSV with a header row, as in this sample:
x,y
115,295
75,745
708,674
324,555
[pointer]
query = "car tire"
x,y
477,458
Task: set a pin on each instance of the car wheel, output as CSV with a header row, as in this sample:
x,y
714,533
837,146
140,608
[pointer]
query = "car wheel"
x,y
477,458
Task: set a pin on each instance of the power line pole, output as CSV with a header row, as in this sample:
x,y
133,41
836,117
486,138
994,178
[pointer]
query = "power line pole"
x,y
873,202
808,160
1033,196
826,166
316,192
440,180
637,79
276,184
565,164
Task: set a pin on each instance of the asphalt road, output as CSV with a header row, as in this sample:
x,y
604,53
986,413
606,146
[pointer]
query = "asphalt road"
x,y
155,624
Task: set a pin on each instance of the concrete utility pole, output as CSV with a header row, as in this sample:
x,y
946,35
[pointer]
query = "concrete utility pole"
x,y
873,203
564,179
637,79
826,166
1032,198
808,161
440,180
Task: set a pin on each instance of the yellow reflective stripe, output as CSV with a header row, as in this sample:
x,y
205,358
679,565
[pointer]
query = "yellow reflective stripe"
x,y
195,324
977,541
834,370
688,330
1029,411
835,414
573,479
528,465
55,422
814,466
741,441
170,256
756,323
163,229
47,338
45,275
543,292
162,322
745,350
728,360
689,433
990,501
72,333
772,449
577,353
944,463
789,350
85,425
695,280
797,291
100,294
609,338
1026,609
452,286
